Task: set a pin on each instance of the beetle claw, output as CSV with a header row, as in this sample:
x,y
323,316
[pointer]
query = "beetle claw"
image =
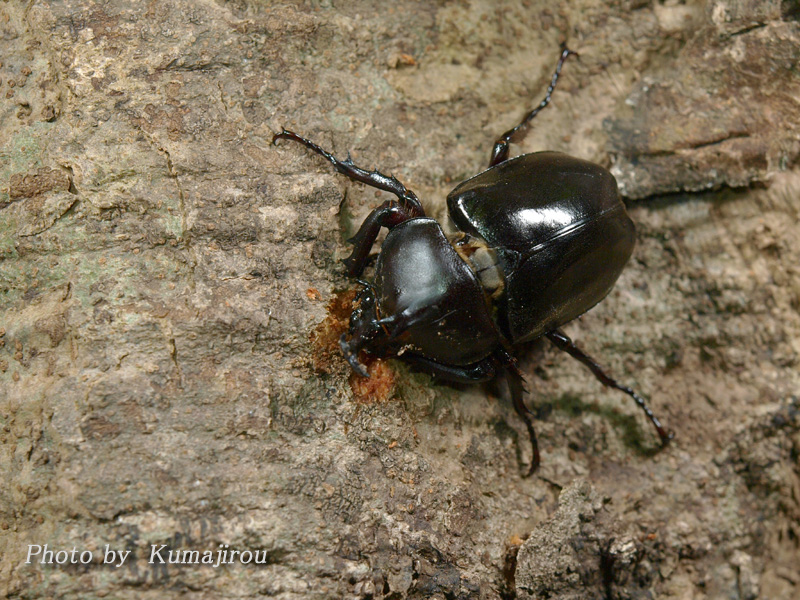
x,y
284,134
352,357
534,465
670,435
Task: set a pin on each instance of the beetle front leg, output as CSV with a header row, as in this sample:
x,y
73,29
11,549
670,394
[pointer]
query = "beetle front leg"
x,y
563,342
364,330
501,146
386,215
372,178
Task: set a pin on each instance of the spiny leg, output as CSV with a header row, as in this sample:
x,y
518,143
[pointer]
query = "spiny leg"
x,y
516,385
371,178
395,325
364,328
482,371
501,146
388,214
367,329
563,342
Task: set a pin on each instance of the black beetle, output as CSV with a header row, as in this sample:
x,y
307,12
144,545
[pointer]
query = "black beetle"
x,y
543,238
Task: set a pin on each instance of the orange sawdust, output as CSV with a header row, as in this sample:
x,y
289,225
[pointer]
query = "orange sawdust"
x,y
327,355
376,388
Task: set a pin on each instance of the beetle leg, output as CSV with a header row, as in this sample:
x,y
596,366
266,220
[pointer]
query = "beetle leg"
x,y
368,288
501,146
364,328
563,342
516,385
481,371
397,323
372,178
386,215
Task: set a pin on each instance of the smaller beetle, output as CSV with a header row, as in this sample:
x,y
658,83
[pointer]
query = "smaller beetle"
x,y
543,238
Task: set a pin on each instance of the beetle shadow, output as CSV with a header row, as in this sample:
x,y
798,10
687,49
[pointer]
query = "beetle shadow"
x,y
535,357
666,200
626,425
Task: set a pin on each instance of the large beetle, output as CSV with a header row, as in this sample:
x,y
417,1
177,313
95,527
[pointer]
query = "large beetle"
x,y
543,238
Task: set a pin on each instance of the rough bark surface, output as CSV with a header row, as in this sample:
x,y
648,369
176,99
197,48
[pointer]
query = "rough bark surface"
x,y
169,288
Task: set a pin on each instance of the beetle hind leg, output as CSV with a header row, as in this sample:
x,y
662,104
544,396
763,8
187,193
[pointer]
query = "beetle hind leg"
x,y
501,146
563,342
516,385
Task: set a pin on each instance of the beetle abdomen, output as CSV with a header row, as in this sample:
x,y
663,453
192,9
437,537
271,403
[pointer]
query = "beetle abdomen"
x,y
560,230
567,276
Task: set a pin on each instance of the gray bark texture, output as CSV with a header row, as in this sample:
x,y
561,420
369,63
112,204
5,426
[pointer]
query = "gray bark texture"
x,y
171,294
